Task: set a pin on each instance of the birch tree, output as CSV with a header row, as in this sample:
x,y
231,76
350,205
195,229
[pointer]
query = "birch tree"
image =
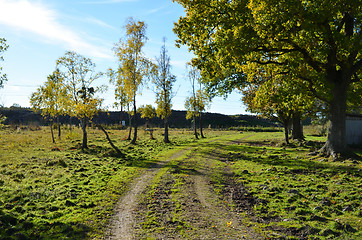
x,y
51,100
134,67
79,75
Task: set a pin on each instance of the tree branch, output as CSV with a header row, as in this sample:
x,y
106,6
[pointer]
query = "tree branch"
x,y
312,89
110,141
313,63
269,62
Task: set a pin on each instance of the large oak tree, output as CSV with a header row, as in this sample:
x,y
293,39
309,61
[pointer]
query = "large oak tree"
x,y
316,41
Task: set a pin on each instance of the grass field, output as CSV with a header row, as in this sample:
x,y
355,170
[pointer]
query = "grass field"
x,y
58,191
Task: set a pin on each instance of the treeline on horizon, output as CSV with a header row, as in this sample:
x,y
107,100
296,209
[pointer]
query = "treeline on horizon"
x,y
19,116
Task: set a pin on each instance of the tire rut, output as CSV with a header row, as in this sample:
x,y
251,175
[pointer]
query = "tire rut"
x,y
123,221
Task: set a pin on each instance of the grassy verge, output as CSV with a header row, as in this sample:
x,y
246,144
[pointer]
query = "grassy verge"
x,y
291,194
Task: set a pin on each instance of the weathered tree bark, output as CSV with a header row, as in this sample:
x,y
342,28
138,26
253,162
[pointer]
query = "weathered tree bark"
x,y
297,130
51,130
200,125
336,140
166,139
110,141
135,121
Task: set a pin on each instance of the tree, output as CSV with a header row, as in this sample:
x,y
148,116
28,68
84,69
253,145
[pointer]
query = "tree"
x,y
122,99
164,81
51,99
277,96
316,41
147,112
3,48
133,66
79,75
203,100
191,102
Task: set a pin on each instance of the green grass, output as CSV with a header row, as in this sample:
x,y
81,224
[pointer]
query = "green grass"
x,y
57,191
293,188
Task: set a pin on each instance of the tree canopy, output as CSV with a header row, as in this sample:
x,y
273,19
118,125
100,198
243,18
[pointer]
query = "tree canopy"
x,y
134,67
317,41
79,76
51,98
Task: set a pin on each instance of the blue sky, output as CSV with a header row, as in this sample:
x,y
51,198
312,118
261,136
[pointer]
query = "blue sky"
x,y
38,32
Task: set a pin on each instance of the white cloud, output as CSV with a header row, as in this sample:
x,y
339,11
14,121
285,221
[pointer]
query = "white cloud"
x,y
99,23
36,18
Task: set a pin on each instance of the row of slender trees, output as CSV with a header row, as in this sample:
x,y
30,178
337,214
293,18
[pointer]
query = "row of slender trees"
x,y
70,88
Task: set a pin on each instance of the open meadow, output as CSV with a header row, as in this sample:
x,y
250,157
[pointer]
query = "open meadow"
x,y
230,185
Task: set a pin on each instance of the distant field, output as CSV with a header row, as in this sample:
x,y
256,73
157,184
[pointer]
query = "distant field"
x,y
56,191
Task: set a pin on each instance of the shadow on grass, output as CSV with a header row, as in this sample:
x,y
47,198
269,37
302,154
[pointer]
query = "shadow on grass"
x,y
12,227
278,157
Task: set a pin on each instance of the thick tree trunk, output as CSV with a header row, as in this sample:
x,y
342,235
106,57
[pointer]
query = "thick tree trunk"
x,y
166,139
51,130
84,123
200,125
135,121
286,130
195,129
336,140
297,130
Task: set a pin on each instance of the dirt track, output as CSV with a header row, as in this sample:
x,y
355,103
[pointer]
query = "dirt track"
x,y
205,215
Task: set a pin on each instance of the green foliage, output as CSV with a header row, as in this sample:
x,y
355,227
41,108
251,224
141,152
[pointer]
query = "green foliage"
x,y
133,65
122,99
3,48
317,42
51,98
147,111
79,75
163,80
199,99
276,96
